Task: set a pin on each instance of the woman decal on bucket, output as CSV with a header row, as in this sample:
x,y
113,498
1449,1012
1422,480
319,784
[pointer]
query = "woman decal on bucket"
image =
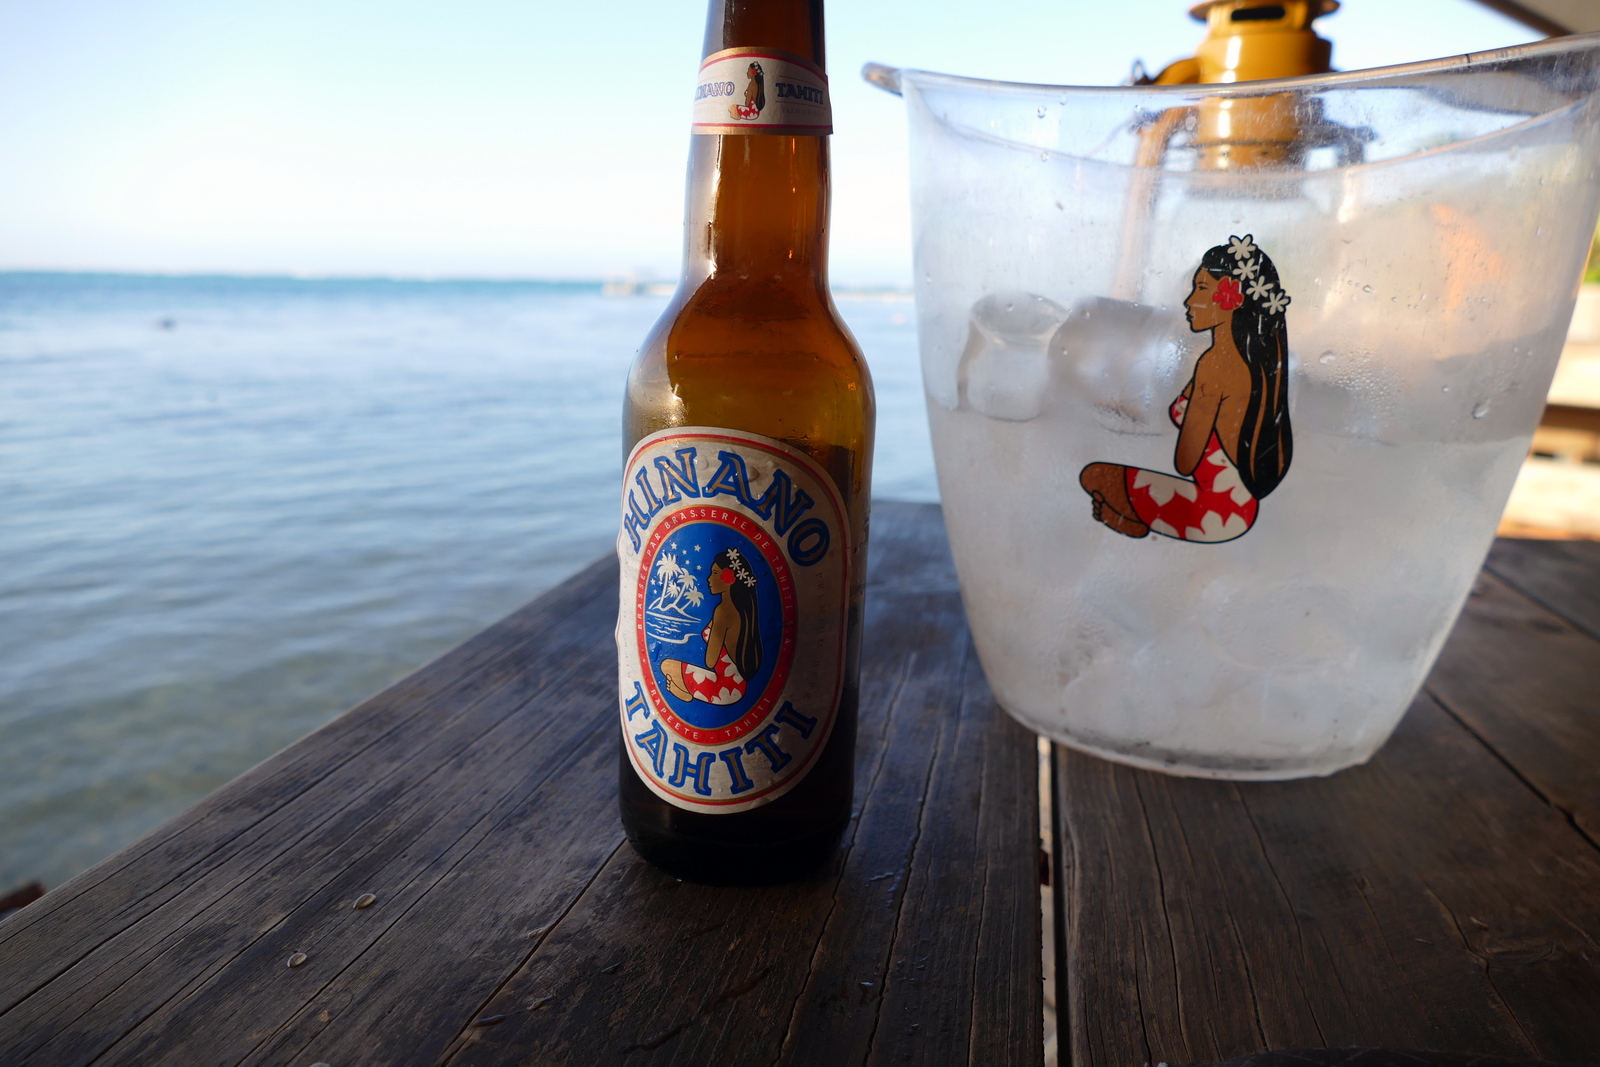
x,y
1234,442
733,638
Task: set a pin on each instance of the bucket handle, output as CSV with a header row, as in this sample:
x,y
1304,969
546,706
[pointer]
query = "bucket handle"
x,y
884,77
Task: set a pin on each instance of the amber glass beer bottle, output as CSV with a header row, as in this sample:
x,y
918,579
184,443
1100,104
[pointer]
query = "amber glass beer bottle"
x,y
747,433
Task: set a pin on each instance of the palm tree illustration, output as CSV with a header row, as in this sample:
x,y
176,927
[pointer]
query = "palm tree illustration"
x,y
678,587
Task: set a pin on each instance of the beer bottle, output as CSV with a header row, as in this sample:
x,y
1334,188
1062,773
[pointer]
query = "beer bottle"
x,y
747,430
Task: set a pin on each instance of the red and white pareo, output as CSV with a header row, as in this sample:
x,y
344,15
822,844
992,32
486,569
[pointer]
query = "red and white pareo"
x,y
1211,507
722,684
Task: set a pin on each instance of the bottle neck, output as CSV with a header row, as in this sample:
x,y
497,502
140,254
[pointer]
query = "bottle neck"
x,y
758,208
758,201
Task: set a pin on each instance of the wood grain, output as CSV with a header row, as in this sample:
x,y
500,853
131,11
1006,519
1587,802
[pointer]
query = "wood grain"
x,y
1527,683
271,805
476,802
1438,897
1560,575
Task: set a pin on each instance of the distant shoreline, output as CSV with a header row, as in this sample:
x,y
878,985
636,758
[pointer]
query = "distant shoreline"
x,y
154,279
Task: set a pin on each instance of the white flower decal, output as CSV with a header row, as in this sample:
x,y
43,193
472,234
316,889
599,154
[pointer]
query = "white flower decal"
x,y
1247,269
1242,247
1277,303
1163,486
1213,529
1228,480
1259,289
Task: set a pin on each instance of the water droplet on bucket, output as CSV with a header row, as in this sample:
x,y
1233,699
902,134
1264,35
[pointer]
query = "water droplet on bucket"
x,y
1327,357
1366,288
1041,111
1480,409
1446,389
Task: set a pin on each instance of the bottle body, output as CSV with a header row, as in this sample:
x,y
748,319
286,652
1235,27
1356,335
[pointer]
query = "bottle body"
x,y
748,423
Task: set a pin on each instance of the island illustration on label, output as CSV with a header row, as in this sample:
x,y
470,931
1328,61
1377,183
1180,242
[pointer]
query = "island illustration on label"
x,y
1234,440
731,636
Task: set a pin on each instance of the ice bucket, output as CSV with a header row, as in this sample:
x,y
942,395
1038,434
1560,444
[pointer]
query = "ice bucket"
x,y
1229,384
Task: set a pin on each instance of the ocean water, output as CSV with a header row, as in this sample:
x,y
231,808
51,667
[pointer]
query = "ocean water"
x,y
232,508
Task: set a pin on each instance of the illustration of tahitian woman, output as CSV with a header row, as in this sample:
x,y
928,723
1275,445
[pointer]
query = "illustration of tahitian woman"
x,y
733,638
1234,442
755,94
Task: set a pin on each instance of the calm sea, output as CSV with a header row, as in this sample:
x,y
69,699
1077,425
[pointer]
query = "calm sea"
x,y
231,508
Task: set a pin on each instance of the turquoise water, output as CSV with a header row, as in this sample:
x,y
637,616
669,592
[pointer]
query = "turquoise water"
x,y
231,508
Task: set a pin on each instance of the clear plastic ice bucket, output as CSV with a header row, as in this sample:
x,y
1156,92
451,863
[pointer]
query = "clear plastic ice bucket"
x,y
1365,315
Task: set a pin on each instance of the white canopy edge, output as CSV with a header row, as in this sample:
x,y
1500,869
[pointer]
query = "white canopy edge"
x,y
1553,18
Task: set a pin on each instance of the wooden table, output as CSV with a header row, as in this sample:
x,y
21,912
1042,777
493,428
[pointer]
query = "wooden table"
x,y
1446,895
477,801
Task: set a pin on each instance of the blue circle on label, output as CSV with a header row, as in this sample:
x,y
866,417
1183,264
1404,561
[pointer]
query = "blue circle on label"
x,y
687,589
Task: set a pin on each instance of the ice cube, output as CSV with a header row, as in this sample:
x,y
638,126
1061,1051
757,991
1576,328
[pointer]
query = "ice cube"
x,y
1128,360
1005,368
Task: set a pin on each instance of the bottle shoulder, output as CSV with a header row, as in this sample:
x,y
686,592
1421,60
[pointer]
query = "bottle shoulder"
x,y
757,334
786,368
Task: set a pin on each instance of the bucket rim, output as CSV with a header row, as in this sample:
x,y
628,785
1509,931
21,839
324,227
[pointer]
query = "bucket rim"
x,y
891,79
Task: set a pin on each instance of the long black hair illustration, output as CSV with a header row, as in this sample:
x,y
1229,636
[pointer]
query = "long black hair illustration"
x,y
1266,442
758,83
746,651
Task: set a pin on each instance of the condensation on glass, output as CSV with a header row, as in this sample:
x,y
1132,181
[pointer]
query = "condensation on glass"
x,y
1365,314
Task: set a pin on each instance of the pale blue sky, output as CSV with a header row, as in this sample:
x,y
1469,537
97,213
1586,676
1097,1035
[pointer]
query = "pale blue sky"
x,y
491,138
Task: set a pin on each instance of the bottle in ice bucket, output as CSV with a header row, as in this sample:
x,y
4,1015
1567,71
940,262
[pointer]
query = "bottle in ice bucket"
x,y
748,428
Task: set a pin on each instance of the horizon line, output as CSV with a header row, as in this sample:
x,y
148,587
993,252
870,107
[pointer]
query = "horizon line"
x,y
636,278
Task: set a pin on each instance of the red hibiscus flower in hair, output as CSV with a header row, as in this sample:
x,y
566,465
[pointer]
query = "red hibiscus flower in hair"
x,y
1228,295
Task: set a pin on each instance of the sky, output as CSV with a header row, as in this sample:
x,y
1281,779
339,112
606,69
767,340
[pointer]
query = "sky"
x,y
498,138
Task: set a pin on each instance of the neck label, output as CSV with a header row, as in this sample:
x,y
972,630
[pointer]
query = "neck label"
x,y
735,552
761,90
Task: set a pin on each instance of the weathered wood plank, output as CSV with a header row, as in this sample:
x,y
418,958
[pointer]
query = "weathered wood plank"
x,y
817,961
1561,575
1528,684
1007,1008
360,749
510,787
1425,900
665,1005
216,922
477,800
429,973
839,1011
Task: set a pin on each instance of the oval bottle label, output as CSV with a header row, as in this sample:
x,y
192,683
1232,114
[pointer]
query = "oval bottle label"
x,y
761,90
735,552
